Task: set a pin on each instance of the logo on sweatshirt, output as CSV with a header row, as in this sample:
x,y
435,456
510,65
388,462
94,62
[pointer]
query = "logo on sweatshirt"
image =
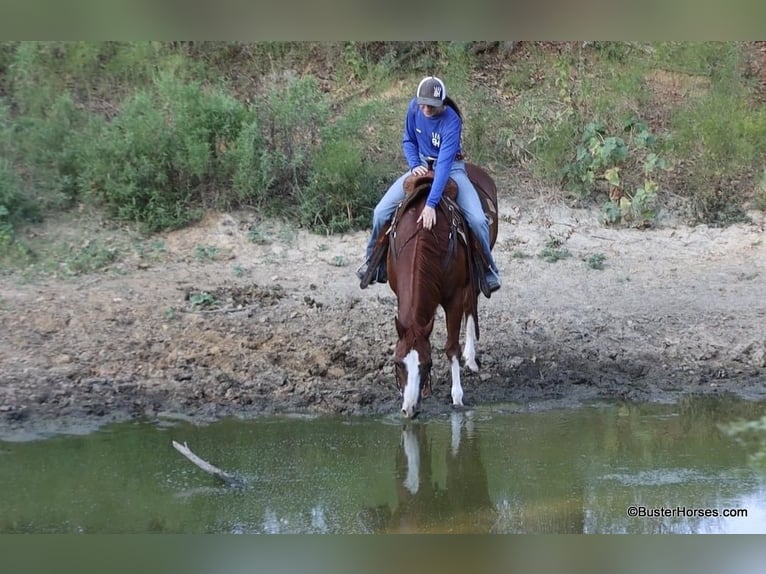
x,y
436,139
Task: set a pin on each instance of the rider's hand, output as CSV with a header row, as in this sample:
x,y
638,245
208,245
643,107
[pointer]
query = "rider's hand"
x,y
428,217
420,170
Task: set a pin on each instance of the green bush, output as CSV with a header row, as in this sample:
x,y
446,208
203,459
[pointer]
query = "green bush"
x,y
6,228
625,166
291,115
159,131
349,170
251,166
343,188
49,146
167,155
16,206
722,139
180,147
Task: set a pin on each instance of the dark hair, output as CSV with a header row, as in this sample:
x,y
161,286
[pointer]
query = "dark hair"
x,y
451,103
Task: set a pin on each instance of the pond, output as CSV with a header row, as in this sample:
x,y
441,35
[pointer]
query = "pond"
x,y
494,469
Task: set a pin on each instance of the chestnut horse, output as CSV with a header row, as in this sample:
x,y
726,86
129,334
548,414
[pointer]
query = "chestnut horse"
x,y
428,268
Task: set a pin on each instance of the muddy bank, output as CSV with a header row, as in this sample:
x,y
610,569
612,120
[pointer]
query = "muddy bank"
x,y
280,325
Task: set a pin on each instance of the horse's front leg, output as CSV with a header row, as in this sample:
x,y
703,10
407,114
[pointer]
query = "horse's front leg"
x,y
453,316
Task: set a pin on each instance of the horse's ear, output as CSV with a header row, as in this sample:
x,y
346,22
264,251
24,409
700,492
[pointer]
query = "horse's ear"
x,y
399,327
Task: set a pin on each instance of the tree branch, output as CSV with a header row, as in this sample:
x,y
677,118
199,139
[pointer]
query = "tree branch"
x,y
226,477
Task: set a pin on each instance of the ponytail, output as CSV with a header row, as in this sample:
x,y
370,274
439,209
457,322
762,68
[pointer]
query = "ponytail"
x,y
451,103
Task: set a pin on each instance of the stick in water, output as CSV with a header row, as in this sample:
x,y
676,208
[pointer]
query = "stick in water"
x,y
228,478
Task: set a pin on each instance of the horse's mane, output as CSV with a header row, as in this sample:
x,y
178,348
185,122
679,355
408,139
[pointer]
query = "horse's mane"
x,y
426,248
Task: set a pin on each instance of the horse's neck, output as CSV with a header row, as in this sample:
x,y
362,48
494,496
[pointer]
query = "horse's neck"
x,y
419,307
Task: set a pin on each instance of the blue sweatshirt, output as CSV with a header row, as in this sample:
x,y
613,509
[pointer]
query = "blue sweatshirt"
x,y
437,137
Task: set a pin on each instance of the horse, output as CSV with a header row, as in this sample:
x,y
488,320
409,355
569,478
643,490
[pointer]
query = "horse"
x,y
429,268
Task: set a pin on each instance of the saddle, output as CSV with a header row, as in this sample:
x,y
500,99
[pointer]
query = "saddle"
x,y
414,187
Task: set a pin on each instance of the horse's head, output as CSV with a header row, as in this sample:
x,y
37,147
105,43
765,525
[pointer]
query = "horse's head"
x,y
412,365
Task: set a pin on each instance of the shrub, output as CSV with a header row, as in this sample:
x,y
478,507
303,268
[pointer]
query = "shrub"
x,y
15,205
291,116
349,170
167,154
624,167
49,145
723,139
343,187
251,165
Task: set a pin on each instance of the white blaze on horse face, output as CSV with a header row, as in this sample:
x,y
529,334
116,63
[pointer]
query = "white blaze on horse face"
x,y
412,452
469,350
411,391
457,390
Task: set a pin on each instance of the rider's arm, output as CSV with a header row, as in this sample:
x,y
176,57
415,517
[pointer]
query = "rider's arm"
x,y
450,146
409,139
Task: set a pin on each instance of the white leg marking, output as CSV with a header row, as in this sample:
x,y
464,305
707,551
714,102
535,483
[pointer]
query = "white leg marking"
x,y
457,390
469,350
412,452
456,420
411,392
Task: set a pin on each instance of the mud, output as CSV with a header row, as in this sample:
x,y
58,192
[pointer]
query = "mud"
x,y
275,322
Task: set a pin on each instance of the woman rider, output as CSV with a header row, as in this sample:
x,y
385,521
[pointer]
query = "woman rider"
x,y
432,131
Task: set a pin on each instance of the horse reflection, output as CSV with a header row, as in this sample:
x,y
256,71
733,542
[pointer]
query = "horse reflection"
x,y
525,502
461,505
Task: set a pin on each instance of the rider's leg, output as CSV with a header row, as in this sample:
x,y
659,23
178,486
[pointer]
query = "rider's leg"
x,y
470,205
384,211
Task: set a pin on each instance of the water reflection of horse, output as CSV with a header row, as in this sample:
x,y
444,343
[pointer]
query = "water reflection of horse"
x,y
428,268
462,504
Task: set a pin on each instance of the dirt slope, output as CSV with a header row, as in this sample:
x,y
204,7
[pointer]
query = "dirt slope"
x,y
675,310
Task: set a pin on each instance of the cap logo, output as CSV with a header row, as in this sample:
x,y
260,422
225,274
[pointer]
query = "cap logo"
x,y
431,91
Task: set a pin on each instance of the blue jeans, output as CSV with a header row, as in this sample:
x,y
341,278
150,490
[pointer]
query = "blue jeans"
x,y
467,199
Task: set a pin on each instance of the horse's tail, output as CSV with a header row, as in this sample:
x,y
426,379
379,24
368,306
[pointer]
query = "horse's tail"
x,y
474,257
487,190
471,301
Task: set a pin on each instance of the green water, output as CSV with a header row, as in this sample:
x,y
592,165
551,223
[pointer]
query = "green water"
x,y
496,469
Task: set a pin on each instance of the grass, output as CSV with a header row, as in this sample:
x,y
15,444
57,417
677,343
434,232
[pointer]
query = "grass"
x,y
554,250
339,261
202,299
158,133
206,253
554,254
91,257
595,261
258,236
239,271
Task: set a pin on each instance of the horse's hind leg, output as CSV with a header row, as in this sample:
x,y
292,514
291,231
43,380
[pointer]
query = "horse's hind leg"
x,y
454,317
469,349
